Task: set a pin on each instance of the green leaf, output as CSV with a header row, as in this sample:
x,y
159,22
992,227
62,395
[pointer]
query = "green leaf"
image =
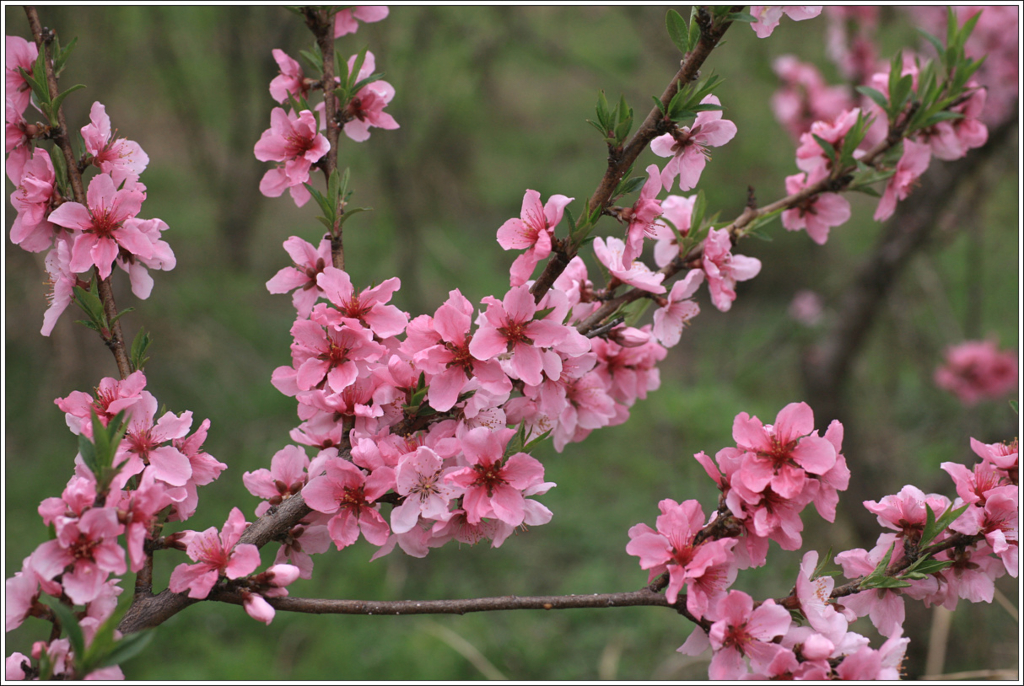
x,y
742,17
928,565
884,582
88,452
353,73
678,31
1014,406
70,624
603,115
936,43
694,36
830,152
657,103
700,206
55,105
62,56
352,211
140,345
314,59
127,648
635,310
627,186
947,518
876,96
325,206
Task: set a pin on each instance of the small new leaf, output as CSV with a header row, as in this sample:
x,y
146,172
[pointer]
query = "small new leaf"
x,y
70,624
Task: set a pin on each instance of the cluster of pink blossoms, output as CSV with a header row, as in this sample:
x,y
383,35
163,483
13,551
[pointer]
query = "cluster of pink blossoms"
x,y
157,469
101,233
772,474
808,108
295,139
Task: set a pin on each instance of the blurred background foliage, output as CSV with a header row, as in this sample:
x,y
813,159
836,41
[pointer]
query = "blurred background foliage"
x,y
491,101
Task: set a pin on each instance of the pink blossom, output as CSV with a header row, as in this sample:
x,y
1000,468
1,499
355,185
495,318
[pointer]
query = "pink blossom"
x,y
768,16
494,486
368,306
19,53
636,274
138,509
339,354
294,140
906,512
420,479
17,667
977,370
806,307
108,225
366,108
347,493
997,520
803,97
136,266
285,478
205,469
814,595
112,396
300,543
951,139
782,455
671,548
345,20
742,631
450,361
145,443
119,157
1002,456
809,155
533,231
32,229
628,373
688,146
309,262
724,269
90,545
817,213
678,210
678,310
216,556
868,664
642,215
290,80
914,161
63,281
510,326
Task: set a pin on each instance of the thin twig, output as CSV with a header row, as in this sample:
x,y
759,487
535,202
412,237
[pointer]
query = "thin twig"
x,y
113,338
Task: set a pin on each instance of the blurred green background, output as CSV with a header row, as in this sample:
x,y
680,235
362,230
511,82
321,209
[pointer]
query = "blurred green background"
x,y
491,101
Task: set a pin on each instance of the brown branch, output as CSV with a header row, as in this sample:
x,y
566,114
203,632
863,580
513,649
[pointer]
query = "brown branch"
x,y
620,160
114,339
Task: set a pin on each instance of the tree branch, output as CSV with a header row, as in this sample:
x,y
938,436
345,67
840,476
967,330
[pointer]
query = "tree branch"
x,y
620,161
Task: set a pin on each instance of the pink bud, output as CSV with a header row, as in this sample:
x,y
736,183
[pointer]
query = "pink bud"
x,y
282,575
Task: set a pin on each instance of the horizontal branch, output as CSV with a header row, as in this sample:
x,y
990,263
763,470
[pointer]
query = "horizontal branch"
x,y
320,606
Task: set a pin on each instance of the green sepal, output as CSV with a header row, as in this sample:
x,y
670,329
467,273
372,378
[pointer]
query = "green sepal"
x,y
678,31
